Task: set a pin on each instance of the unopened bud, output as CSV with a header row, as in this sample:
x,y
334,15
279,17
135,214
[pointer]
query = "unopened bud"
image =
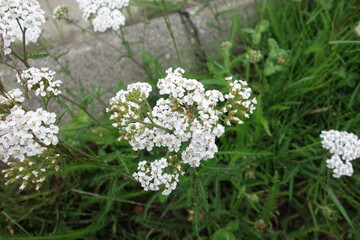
x,y
260,226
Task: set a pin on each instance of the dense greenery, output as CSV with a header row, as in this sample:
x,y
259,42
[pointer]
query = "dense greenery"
x,y
269,179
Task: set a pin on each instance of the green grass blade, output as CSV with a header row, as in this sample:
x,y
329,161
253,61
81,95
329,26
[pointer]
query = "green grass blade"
x,y
339,206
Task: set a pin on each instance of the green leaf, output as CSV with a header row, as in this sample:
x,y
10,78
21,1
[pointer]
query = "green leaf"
x,y
57,57
265,125
302,233
37,56
339,206
260,119
222,234
232,226
314,48
344,42
269,68
163,198
218,82
212,25
248,30
351,102
256,38
170,6
263,26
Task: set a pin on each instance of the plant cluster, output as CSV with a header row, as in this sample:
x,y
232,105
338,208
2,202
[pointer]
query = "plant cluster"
x,y
186,123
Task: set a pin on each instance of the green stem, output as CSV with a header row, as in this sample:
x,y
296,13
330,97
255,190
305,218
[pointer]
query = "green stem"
x,y
24,58
149,111
88,113
46,101
227,63
8,65
168,25
24,45
247,71
153,125
13,221
85,157
84,154
24,61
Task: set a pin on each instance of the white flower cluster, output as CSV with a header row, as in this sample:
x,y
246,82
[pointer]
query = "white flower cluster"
x,y
153,176
345,147
23,134
238,99
41,80
14,95
104,14
187,122
26,13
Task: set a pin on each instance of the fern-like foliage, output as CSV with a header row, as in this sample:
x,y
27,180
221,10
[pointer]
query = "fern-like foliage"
x,y
203,194
270,204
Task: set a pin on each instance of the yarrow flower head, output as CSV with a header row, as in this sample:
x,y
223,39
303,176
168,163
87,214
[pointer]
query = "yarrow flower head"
x,y
126,107
61,12
186,121
41,80
226,46
17,16
345,147
254,56
153,176
25,133
104,14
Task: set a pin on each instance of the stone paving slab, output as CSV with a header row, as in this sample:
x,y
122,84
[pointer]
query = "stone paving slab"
x,y
93,63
